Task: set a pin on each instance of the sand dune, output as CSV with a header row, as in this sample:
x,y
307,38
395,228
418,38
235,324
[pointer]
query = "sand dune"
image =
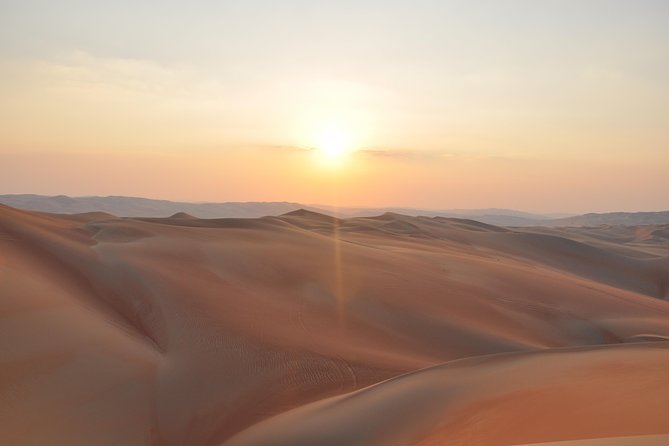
x,y
634,440
500,399
306,329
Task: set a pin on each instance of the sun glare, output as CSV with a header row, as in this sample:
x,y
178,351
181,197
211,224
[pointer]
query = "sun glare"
x,y
334,136
333,143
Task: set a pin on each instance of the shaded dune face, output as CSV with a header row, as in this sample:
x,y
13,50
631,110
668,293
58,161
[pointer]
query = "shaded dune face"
x,y
305,329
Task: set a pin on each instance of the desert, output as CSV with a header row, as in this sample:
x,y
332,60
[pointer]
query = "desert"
x,y
334,223
306,329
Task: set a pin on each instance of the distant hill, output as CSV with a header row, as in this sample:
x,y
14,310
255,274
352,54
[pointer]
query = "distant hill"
x,y
493,216
613,219
146,207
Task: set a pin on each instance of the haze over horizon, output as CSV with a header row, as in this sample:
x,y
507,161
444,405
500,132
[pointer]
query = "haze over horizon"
x,y
327,206
313,102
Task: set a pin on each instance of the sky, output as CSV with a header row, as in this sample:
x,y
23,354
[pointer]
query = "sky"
x,y
542,106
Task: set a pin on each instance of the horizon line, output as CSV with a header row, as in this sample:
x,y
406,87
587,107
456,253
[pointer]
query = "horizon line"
x,y
331,206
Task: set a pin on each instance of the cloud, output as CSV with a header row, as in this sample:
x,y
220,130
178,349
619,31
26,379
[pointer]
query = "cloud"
x,y
420,155
448,156
287,148
405,154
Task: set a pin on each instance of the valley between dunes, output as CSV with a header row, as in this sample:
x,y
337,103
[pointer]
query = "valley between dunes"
x,y
307,330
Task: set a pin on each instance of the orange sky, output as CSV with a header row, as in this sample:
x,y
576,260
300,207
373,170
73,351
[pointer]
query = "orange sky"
x,y
539,106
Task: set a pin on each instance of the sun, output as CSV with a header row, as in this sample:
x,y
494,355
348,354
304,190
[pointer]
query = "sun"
x,y
333,143
334,137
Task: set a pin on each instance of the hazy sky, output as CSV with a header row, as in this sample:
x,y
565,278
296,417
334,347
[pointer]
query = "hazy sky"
x,y
536,105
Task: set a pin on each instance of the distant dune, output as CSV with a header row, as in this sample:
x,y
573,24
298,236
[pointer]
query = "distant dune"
x,y
613,218
306,329
144,207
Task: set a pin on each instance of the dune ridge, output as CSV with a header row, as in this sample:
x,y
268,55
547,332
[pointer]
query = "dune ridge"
x,y
146,207
308,329
630,440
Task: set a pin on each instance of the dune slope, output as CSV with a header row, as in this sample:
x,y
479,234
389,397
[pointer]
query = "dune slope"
x,y
182,331
557,394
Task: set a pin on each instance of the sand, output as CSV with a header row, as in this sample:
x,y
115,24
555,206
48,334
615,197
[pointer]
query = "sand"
x,y
635,440
308,330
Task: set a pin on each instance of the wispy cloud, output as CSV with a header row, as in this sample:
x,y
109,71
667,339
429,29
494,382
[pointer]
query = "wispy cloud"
x,y
446,156
401,154
285,148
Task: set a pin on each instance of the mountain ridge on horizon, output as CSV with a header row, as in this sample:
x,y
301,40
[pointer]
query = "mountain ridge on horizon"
x,y
124,206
